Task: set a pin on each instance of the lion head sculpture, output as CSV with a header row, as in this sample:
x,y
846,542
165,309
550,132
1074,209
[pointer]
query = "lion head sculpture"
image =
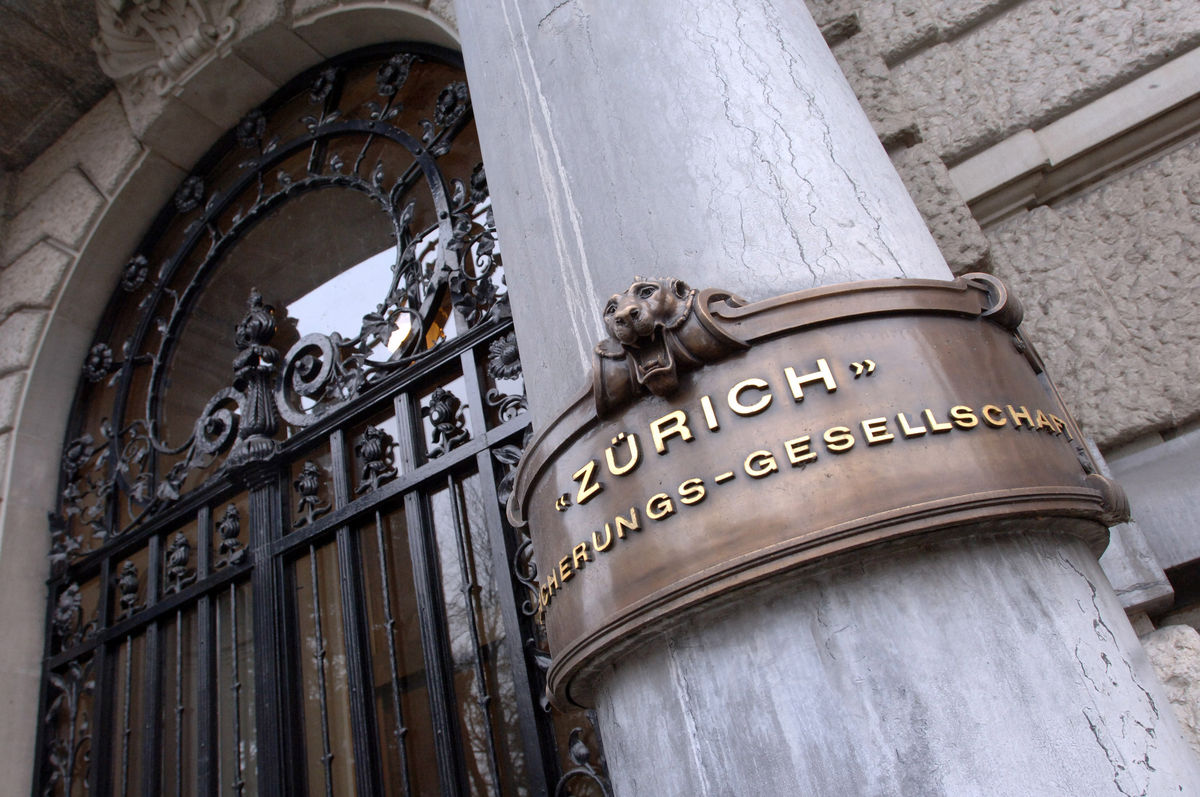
x,y
638,320
657,330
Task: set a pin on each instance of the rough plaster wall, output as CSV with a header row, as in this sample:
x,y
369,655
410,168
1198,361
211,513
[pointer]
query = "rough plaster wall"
x,y
1174,650
1035,62
1112,295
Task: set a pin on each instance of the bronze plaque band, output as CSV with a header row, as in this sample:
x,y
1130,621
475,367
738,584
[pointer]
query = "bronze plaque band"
x,y
789,430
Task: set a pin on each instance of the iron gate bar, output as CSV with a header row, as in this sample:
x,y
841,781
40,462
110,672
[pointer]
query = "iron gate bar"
x,y
207,738
368,777
401,730
152,659
273,709
430,609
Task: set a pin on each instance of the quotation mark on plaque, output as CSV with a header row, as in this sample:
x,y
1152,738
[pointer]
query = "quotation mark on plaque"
x,y
562,503
866,367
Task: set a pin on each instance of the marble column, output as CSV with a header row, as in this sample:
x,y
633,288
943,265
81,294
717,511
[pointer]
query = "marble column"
x,y
720,143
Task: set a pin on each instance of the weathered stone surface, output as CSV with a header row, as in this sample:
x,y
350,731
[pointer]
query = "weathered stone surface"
x,y
885,106
1174,651
964,245
64,211
33,279
48,76
18,337
1111,294
101,143
1036,62
900,26
10,396
831,12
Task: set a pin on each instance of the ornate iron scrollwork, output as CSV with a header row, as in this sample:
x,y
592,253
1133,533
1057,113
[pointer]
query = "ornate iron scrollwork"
x,y
67,712
446,258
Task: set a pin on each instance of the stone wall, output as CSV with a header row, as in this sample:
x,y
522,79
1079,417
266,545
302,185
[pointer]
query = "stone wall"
x,y
1111,288
1034,62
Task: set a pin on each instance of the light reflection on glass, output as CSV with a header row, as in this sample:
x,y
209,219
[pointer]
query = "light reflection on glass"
x,y
337,304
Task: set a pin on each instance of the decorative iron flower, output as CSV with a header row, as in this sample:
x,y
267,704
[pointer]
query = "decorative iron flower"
x,y
99,363
190,194
308,483
504,361
127,583
479,189
230,525
258,325
322,87
134,274
78,452
394,73
451,104
250,129
66,613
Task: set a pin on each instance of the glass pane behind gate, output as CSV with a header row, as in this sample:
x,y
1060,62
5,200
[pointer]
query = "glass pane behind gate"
x,y
483,682
325,688
401,695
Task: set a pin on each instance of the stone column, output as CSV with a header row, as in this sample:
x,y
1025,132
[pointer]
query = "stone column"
x,y
721,144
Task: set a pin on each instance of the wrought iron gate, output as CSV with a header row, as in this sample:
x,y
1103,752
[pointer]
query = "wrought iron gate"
x,y
280,563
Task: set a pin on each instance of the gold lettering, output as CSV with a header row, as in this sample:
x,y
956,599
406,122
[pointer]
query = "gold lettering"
x,y
760,463
552,582
544,595
1043,421
838,439
798,451
822,374
633,524
906,429
993,416
579,555
1017,415
875,431
721,478
564,569
735,394
934,426
670,424
964,417
1062,426
710,416
587,487
660,506
608,539
635,456
691,491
